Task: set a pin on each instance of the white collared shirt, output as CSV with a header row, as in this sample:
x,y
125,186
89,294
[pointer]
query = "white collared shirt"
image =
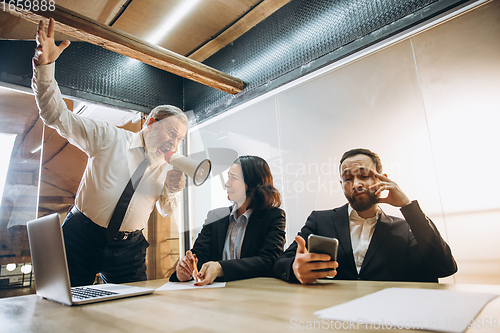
x,y
113,155
361,234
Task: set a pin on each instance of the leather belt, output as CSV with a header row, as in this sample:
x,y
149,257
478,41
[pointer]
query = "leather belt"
x,y
122,235
73,210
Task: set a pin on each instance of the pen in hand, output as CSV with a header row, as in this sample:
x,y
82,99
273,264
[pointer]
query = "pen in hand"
x,y
195,264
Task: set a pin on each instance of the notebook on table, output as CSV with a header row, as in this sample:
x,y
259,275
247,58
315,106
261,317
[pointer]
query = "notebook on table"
x,y
48,258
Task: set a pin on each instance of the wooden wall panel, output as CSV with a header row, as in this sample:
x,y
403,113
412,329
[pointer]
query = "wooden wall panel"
x,y
163,252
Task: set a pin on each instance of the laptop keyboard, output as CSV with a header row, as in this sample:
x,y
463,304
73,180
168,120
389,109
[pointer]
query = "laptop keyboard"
x,y
86,293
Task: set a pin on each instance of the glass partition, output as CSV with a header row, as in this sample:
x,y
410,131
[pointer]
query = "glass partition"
x,y
428,105
21,137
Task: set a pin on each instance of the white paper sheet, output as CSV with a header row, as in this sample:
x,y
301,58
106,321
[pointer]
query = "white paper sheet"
x,y
189,285
427,309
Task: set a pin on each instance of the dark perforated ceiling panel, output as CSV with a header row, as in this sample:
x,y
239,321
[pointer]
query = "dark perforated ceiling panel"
x,y
302,32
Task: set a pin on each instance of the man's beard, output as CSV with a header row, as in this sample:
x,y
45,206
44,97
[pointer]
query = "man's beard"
x,y
361,204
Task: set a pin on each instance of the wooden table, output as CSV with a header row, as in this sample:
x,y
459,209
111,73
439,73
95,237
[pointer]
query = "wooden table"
x,y
256,305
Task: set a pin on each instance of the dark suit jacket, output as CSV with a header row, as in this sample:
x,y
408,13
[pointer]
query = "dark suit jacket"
x,y
263,243
400,250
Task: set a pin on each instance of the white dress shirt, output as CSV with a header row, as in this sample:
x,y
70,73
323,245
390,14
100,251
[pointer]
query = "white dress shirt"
x,y
113,155
361,234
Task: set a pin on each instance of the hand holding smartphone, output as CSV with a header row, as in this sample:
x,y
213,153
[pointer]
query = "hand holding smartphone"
x,y
323,245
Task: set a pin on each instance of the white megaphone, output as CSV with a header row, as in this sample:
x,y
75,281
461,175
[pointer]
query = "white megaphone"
x,y
198,171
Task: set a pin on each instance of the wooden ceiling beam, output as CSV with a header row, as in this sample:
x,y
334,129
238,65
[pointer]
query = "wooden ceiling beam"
x,y
248,21
92,31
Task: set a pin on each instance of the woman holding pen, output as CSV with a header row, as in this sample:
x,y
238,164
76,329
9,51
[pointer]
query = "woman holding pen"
x,y
244,240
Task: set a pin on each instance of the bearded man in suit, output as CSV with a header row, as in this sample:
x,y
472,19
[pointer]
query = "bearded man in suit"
x,y
372,245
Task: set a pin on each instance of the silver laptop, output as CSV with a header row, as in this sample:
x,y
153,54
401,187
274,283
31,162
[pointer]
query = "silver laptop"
x,y
50,267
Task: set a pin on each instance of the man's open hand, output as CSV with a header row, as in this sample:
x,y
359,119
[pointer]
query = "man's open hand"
x,y
46,50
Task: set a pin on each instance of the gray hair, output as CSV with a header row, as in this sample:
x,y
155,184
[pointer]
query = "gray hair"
x,y
164,111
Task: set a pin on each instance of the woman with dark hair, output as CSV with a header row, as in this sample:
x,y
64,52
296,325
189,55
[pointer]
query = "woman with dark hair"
x,y
244,240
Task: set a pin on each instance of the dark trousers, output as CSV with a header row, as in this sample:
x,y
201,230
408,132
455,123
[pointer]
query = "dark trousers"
x,y
88,252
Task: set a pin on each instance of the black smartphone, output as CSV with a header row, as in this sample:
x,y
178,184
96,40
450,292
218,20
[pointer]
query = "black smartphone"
x,y
323,245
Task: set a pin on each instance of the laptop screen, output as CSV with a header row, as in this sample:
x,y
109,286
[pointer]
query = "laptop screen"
x,y
49,258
